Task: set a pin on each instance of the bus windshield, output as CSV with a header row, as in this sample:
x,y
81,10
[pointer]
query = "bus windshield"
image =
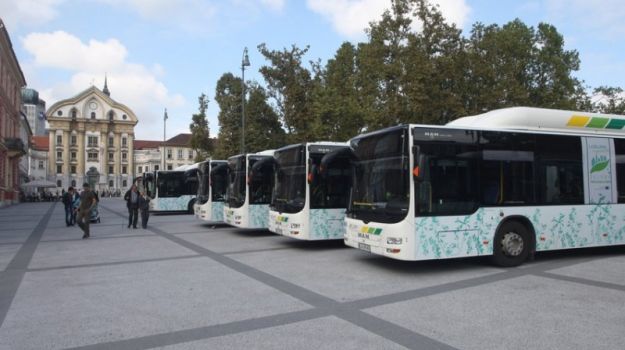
x,y
219,181
236,181
289,193
261,182
203,182
381,189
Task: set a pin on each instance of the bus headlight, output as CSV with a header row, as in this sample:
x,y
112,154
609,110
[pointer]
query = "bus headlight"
x,y
394,240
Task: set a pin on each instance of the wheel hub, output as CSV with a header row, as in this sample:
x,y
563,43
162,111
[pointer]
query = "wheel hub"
x,y
512,244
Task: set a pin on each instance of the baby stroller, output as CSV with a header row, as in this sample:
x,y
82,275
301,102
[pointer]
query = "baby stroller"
x,y
95,214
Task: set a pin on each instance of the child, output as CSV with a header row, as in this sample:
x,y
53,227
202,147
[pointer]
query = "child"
x,y
144,207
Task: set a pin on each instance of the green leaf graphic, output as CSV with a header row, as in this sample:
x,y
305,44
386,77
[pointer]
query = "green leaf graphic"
x,y
599,166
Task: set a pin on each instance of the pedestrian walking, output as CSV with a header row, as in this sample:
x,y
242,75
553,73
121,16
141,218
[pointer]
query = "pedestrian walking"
x,y
144,207
68,199
132,203
75,205
87,202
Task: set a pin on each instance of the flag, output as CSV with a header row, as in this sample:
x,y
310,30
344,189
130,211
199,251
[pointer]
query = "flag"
x,y
42,116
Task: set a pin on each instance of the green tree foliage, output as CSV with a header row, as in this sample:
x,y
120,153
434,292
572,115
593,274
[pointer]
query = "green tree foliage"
x,y
290,85
262,126
608,99
228,97
200,132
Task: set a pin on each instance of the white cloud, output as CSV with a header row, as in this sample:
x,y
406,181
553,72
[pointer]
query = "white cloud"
x,y
28,12
132,84
351,17
606,18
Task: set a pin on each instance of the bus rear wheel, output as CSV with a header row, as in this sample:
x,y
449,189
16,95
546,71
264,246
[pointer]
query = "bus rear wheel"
x,y
511,245
190,208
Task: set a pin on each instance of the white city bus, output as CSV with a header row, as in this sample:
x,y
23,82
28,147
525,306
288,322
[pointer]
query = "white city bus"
x,y
172,190
505,183
211,190
309,200
248,194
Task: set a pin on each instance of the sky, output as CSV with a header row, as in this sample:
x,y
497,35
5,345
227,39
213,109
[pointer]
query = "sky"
x,y
162,54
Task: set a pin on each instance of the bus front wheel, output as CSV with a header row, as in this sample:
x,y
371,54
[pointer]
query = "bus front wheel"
x,y
511,245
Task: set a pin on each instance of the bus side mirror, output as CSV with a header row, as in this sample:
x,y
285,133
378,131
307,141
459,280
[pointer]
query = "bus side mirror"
x,y
418,171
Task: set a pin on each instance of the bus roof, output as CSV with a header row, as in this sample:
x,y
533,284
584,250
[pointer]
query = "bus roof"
x,y
316,143
545,120
268,152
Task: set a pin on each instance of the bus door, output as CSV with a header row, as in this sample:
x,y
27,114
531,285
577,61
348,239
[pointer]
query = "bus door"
x,y
599,170
600,186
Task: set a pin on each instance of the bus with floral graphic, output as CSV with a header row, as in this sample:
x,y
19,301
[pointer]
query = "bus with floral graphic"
x,y
248,193
211,190
311,184
172,190
506,183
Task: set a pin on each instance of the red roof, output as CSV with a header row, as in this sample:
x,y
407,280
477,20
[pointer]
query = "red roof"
x,y
146,144
183,140
41,143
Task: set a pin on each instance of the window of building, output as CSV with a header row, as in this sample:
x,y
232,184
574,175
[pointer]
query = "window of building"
x,y
92,156
59,139
59,170
73,169
73,183
179,154
73,140
59,155
59,183
156,168
124,169
124,183
169,167
111,141
140,170
169,154
92,141
190,154
41,164
111,156
124,142
110,183
124,156
111,115
59,113
110,169
73,155
73,114
92,115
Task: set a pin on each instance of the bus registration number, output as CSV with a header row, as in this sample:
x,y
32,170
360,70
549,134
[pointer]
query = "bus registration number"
x,y
364,247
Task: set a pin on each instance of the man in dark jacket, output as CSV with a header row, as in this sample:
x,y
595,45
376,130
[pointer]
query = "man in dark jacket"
x,y
132,203
144,207
68,199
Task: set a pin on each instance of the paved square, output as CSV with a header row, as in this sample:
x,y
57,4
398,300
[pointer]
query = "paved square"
x,y
185,284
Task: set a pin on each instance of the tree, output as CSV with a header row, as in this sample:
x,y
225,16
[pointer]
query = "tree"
x,y
228,97
200,133
290,86
263,128
609,100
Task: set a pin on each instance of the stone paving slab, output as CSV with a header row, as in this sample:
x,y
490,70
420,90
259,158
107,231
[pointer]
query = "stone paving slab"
x,y
67,308
608,270
228,240
346,274
7,252
323,333
523,313
14,236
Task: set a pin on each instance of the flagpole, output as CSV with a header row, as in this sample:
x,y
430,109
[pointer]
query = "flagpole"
x,y
164,137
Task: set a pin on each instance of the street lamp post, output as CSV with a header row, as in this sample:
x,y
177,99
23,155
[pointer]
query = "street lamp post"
x,y
245,62
164,138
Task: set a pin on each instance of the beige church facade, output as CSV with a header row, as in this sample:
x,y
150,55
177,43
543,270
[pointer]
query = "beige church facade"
x,y
91,140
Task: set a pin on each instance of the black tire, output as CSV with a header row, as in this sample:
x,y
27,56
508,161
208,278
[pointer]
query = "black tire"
x,y
190,209
512,244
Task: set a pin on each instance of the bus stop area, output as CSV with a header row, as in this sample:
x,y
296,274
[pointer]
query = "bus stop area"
x,y
186,284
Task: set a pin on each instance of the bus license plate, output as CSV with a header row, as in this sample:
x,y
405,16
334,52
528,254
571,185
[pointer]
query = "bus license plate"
x,y
364,247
